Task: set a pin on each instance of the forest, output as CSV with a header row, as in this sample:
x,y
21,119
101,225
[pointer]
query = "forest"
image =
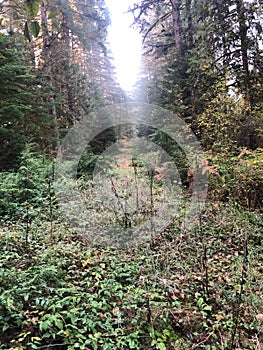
x,y
131,220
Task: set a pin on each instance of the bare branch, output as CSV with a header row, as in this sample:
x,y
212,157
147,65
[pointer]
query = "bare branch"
x,y
155,24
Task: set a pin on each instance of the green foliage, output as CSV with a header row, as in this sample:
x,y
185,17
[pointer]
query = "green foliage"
x,y
219,126
24,193
15,78
11,146
58,290
176,152
32,7
35,28
92,152
238,178
191,50
87,164
23,109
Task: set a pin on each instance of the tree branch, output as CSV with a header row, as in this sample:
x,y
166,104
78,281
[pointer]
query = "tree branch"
x,y
155,24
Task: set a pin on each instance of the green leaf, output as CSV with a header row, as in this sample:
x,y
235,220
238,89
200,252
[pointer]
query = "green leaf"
x,y
132,344
208,308
59,323
32,7
161,346
166,332
36,338
53,14
55,26
35,28
200,302
5,327
44,325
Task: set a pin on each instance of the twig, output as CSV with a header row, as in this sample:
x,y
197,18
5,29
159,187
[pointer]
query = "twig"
x,y
204,261
202,342
127,221
53,345
236,315
155,24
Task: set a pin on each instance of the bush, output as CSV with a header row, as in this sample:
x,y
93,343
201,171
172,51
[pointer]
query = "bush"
x,y
238,177
24,194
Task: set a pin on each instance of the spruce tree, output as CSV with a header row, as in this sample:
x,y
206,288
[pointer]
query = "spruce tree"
x,y
15,100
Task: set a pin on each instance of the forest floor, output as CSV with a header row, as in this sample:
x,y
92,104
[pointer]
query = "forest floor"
x,y
183,289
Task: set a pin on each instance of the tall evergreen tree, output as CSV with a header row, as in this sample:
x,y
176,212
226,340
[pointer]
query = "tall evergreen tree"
x,y
21,111
198,51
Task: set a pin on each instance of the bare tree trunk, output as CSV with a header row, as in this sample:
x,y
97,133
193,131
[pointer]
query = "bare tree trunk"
x,y
188,10
46,50
249,134
243,28
47,57
176,25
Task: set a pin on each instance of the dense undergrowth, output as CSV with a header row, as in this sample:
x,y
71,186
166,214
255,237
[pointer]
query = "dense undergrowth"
x,y
199,289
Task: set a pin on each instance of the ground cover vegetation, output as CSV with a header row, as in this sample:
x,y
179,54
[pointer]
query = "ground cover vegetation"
x,y
197,287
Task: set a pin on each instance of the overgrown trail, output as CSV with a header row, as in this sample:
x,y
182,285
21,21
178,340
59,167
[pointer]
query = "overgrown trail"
x,y
183,290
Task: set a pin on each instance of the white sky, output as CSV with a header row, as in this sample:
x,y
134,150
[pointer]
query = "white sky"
x,y
125,43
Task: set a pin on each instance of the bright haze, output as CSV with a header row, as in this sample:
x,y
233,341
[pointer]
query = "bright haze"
x,y
125,43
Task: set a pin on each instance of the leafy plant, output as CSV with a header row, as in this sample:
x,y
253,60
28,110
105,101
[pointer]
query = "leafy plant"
x,y
26,194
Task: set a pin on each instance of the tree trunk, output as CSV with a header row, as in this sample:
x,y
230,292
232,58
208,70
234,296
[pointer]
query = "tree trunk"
x,y
46,50
176,25
243,28
249,134
190,37
47,57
